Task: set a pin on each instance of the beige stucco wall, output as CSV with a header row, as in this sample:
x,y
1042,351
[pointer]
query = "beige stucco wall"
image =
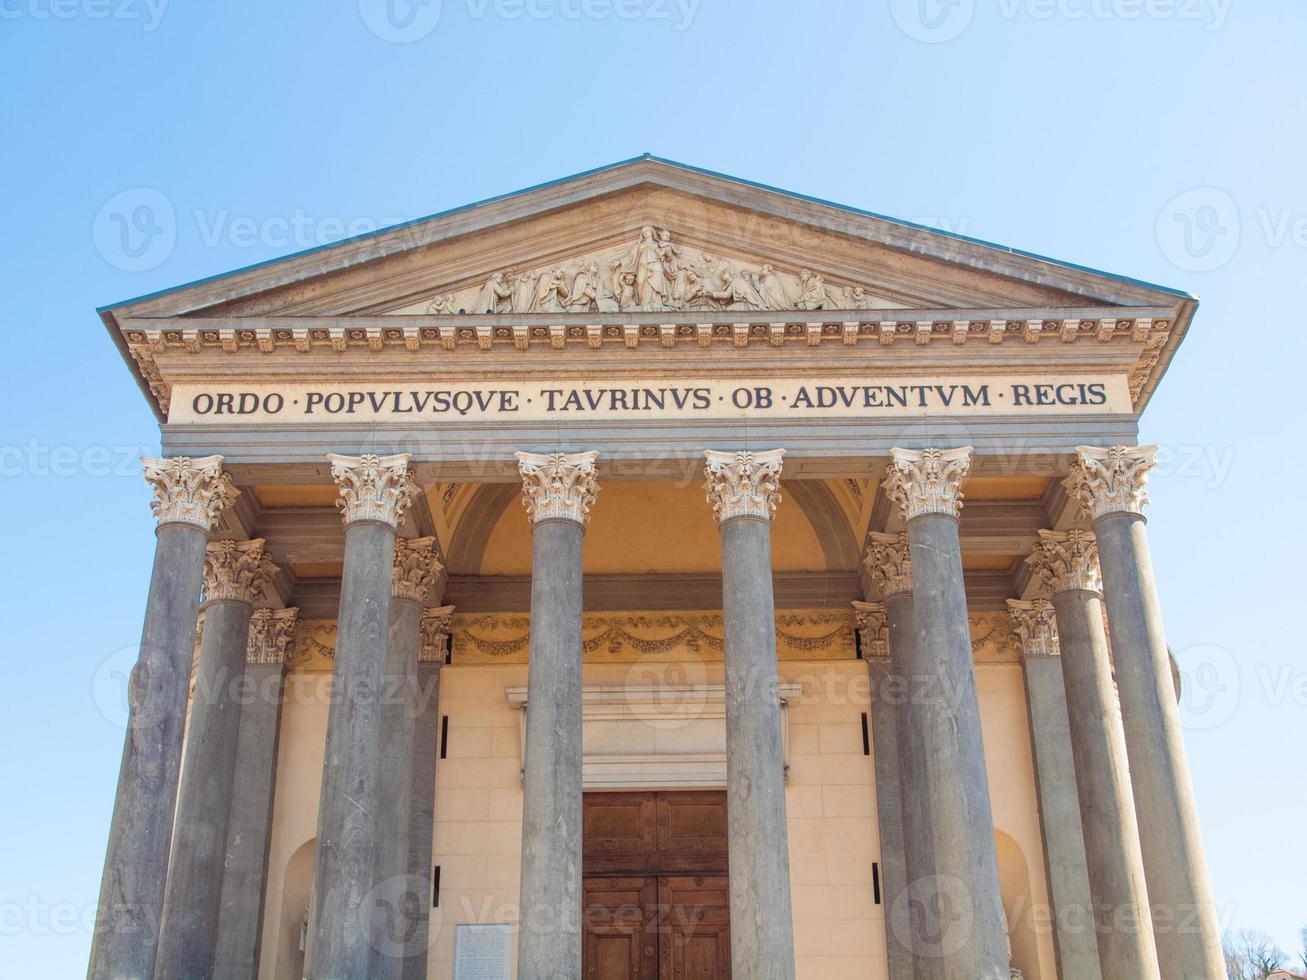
x,y
839,929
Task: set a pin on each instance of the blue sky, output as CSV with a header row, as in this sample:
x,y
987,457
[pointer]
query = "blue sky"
x,y
1161,139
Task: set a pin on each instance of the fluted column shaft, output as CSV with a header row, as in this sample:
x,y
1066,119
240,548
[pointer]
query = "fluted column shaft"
x,y
235,576
189,497
744,490
1110,484
962,900
558,493
240,917
375,492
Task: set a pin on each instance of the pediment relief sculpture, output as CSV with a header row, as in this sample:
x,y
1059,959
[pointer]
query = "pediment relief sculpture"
x,y
652,275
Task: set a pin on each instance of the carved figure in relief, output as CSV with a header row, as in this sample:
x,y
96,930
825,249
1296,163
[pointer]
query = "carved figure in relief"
x,y
771,289
741,293
585,289
524,292
652,289
551,293
442,304
653,274
496,295
813,294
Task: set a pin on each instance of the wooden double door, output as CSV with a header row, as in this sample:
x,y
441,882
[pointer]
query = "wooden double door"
x,y
656,898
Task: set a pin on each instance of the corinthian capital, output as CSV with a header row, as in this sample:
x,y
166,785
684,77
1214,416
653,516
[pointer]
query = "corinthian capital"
x,y
237,570
888,563
1035,626
189,491
272,632
743,484
558,486
417,566
1066,561
1111,481
928,481
872,624
434,628
373,488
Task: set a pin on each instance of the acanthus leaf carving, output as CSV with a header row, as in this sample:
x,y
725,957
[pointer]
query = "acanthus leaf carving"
x,y
889,563
743,484
272,633
1035,625
928,481
435,628
558,486
873,628
1066,561
373,488
237,570
417,567
1111,481
189,491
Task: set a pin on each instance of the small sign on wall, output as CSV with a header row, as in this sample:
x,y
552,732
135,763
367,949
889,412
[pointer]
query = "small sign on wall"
x,y
483,952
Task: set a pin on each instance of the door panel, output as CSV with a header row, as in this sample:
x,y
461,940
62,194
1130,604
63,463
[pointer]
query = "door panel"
x,y
656,895
694,928
619,941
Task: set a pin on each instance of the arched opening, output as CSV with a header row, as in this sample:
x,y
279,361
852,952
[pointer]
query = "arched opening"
x,y
1014,882
297,889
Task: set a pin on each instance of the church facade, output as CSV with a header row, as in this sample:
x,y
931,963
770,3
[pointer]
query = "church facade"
x,y
653,574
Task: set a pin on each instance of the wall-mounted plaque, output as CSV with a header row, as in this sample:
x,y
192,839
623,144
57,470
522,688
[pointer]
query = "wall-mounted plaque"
x,y
483,952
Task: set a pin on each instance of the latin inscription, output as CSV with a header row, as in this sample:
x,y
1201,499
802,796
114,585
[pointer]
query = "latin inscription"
x,y
588,401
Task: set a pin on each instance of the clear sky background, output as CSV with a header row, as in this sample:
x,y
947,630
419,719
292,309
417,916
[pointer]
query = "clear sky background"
x,y
1162,139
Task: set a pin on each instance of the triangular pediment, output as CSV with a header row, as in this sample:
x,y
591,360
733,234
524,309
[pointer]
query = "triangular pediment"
x,y
714,243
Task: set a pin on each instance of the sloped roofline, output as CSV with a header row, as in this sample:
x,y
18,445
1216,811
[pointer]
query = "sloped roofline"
x,y
663,162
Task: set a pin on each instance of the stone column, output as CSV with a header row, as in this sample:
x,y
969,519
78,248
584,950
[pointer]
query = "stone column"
x,y
744,489
885,697
435,629
235,575
240,915
417,566
1055,780
1110,485
961,900
558,491
189,496
375,494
